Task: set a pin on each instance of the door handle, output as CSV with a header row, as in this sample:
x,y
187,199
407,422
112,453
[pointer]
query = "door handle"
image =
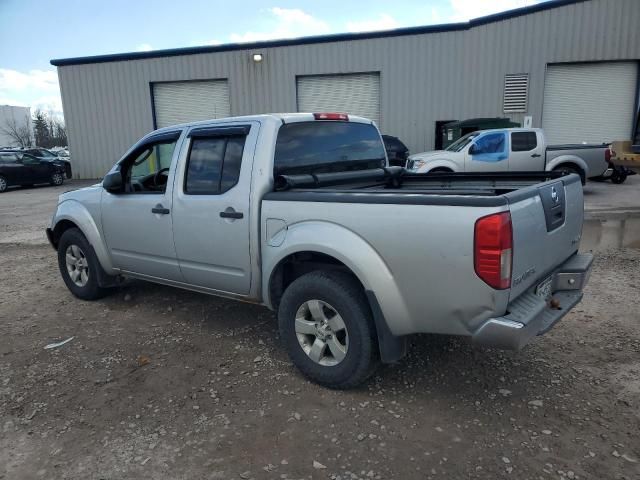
x,y
536,155
230,213
160,210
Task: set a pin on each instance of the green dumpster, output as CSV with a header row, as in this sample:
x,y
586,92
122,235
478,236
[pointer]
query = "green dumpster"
x,y
454,130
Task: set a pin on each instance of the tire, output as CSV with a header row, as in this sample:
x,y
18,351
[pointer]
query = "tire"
x,y
337,299
618,178
571,169
57,179
3,184
85,286
441,170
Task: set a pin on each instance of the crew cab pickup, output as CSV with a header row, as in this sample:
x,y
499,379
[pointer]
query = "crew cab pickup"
x,y
300,213
514,150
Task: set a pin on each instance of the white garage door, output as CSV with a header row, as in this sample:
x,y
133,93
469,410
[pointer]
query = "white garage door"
x,y
589,102
357,94
181,102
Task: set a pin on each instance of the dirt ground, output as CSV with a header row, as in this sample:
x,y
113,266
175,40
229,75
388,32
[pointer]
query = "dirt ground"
x,y
162,383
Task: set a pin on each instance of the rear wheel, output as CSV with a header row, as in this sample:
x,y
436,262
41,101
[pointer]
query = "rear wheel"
x,y
567,169
327,328
79,266
3,184
57,179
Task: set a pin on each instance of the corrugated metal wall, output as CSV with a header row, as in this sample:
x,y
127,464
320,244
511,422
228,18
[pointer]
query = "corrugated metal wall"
x,y
424,78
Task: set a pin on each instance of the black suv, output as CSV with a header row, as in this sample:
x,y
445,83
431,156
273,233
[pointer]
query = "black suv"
x,y
397,152
19,168
44,154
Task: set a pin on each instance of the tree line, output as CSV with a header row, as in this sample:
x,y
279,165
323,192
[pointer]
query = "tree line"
x,y
48,131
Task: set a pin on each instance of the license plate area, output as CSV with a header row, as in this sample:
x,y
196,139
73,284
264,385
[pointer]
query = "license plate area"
x,y
545,289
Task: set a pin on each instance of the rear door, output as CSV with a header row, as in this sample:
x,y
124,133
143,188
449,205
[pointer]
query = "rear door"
x,y
489,152
211,207
527,153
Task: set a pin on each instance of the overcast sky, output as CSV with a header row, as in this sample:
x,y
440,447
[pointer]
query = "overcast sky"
x,y
33,32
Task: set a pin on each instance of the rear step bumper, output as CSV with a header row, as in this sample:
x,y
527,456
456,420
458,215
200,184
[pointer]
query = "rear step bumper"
x,y
530,315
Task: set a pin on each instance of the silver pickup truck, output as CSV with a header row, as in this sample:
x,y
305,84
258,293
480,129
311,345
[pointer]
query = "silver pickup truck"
x,y
514,150
300,213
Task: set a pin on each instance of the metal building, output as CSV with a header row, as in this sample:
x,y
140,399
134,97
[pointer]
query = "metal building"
x,y
570,66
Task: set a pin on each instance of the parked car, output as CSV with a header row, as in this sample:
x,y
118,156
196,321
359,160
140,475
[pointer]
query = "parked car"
x,y
397,152
300,213
45,154
19,168
513,150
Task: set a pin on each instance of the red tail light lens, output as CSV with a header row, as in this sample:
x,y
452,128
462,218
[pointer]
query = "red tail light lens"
x,y
492,252
331,116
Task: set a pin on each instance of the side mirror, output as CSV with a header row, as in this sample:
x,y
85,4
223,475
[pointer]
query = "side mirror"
x,y
473,149
112,182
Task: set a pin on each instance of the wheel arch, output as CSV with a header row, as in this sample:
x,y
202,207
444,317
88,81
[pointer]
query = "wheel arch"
x,y
72,214
311,246
568,160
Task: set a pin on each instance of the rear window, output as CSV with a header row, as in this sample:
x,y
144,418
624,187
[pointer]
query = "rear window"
x,y
523,141
327,146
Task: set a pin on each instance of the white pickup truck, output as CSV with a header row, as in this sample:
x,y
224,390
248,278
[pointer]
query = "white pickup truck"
x,y
514,150
300,213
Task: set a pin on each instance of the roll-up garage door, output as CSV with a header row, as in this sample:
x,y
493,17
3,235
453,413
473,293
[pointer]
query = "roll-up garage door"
x,y
357,94
181,102
591,102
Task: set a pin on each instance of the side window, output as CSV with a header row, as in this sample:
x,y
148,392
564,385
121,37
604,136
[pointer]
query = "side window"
x,y
214,163
523,141
29,160
490,143
147,169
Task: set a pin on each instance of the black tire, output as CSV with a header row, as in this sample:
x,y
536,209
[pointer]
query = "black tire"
x,y
3,184
441,170
91,290
571,169
618,178
346,296
57,179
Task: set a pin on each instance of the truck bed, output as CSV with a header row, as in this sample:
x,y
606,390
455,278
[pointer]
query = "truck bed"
x,y
416,232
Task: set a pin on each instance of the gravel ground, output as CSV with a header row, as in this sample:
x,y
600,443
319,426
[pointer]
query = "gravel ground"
x,y
162,383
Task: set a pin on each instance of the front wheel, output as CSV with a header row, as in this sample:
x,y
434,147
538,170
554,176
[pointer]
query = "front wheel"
x,y
79,265
57,179
441,170
327,328
3,184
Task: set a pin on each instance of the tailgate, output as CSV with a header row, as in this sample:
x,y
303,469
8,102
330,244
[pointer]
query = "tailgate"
x,y
547,225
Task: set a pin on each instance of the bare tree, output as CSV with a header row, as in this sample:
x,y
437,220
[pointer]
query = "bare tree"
x,y
20,133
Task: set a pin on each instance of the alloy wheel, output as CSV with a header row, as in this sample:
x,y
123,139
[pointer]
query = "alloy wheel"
x,y
321,332
77,265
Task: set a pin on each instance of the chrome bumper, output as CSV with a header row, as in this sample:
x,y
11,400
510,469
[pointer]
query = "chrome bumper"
x,y
530,315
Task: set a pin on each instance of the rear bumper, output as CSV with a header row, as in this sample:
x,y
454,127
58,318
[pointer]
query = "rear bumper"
x,y
529,315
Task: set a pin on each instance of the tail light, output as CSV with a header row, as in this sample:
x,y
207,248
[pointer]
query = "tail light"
x,y
331,116
608,153
492,250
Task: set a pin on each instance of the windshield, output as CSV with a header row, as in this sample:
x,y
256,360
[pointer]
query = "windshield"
x,y
462,142
327,146
46,154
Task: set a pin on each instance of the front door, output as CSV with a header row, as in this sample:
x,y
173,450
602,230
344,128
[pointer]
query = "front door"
x,y
211,206
36,170
488,152
137,222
